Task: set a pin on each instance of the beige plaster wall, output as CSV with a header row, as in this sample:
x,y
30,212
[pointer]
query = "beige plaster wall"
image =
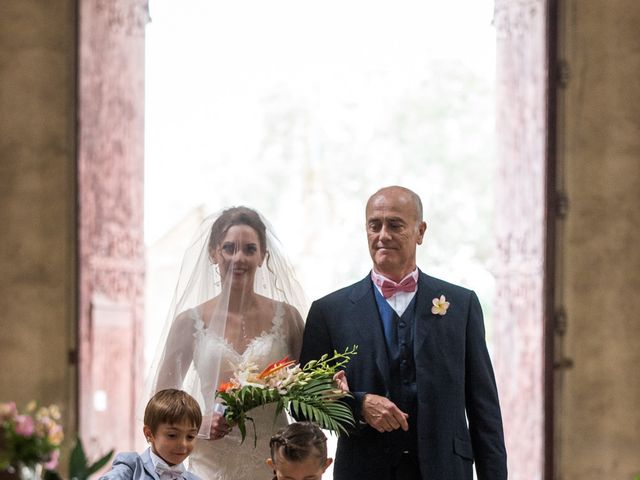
x,y
598,399
37,202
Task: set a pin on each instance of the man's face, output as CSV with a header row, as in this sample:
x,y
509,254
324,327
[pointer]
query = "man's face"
x,y
393,230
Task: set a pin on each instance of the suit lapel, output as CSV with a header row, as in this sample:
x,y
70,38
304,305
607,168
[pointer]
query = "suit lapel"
x,y
148,464
424,318
366,319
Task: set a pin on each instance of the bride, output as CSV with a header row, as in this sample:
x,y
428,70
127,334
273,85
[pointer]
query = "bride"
x,y
237,301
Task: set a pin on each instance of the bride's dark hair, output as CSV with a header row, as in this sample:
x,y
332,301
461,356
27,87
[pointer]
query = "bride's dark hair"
x,y
237,216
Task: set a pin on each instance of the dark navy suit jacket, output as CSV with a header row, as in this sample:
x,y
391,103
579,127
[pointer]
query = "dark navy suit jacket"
x,y
459,418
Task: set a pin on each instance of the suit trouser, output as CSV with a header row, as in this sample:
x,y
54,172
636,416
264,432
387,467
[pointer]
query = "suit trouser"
x,y
406,467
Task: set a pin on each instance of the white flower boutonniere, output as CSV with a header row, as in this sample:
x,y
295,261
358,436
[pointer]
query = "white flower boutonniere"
x,y
440,306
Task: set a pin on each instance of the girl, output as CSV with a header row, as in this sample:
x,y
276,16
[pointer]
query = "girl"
x,y
299,452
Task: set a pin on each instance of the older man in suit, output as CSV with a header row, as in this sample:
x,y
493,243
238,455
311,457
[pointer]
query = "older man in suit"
x,y
424,391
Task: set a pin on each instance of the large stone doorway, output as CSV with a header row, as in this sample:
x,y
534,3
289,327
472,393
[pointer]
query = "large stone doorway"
x,y
111,237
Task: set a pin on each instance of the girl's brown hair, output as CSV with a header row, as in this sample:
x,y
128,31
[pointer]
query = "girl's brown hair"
x,y
297,441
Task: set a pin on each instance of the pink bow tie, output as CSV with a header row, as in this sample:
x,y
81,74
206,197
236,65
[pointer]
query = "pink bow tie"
x,y
390,288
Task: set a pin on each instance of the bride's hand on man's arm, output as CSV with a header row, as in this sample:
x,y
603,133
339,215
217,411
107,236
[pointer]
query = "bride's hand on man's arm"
x,y
341,381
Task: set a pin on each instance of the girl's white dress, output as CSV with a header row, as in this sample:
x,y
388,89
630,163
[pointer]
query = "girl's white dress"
x,y
227,458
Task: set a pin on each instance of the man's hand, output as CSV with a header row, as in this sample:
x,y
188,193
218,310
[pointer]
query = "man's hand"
x,y
382,414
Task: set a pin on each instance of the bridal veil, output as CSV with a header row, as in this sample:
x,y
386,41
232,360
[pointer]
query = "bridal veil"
x,y
199,281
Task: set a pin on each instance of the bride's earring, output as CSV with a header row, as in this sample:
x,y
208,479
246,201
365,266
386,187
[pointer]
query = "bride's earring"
x,y
218,278
216,270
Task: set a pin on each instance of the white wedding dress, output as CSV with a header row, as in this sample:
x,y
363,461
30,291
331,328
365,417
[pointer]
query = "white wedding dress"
x,y
227,458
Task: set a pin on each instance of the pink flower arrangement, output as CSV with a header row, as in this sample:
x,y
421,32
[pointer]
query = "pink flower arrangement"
x,y
29,438
24,425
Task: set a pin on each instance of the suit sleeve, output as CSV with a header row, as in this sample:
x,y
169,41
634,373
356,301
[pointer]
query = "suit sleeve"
x,y
316,342
482,404
121,469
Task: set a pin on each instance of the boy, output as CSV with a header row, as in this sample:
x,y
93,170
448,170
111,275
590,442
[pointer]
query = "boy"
x,y
171,422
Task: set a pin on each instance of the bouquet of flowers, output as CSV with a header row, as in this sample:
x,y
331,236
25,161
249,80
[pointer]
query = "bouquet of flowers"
x,y
309,391
29,438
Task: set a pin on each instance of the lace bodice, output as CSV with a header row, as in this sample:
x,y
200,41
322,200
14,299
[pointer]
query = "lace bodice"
x,y
213,351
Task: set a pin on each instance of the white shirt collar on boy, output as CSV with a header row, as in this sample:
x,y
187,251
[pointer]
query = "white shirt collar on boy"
x,y
164,471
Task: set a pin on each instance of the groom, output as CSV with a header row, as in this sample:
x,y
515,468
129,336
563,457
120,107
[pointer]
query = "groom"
x,y
424,392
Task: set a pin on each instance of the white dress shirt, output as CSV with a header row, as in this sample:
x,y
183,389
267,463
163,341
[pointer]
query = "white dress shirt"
x,y
165,471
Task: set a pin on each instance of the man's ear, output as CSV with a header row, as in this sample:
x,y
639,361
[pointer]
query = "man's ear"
x,y
326,464
422,228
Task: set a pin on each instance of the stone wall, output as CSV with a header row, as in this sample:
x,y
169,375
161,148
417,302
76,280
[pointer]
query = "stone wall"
x,y
598,399
72,261
38,203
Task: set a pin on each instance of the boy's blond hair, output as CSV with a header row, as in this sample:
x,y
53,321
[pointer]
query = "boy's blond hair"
x,y
173,407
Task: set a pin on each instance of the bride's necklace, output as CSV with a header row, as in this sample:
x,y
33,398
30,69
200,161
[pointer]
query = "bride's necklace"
x,y
243,328
243,324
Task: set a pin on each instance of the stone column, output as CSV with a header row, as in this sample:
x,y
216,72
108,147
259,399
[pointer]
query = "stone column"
x,y
110,163
520,230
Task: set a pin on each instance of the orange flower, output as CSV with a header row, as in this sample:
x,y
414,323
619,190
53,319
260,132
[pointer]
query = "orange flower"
x,y
275,366
225,386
